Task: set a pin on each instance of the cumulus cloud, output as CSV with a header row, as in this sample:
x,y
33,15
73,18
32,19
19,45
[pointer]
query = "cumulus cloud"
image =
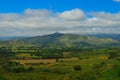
x,y
35,22
117,0
107,19
75,14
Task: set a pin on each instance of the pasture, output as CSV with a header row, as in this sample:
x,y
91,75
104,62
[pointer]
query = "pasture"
x,y
92,66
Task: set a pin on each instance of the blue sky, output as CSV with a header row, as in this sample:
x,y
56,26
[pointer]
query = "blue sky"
x,y
19,6
39,17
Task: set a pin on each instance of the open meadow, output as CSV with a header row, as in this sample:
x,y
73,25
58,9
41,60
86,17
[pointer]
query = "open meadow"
x,y
87,66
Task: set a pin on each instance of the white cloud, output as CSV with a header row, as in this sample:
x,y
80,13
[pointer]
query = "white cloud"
x,y
40,13
38,22
107,16
75,14
117,0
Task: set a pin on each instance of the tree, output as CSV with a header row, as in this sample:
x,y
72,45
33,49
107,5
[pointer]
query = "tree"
x,y
30,68
112,55
77,67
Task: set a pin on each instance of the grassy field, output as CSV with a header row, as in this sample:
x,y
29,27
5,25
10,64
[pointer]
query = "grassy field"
x,y
26,56
93,67
87,65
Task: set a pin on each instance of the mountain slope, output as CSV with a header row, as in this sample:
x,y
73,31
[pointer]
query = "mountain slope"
x,y
112,36
42,39
68,40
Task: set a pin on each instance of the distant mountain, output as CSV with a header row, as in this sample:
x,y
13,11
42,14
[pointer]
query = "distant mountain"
x,y
112,36
58,40
10,38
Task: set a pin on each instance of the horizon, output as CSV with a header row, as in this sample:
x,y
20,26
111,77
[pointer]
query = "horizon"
x,y
60,33
36,18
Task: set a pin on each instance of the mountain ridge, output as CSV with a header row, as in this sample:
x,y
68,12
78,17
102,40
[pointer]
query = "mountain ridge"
x,y
60,40
112,36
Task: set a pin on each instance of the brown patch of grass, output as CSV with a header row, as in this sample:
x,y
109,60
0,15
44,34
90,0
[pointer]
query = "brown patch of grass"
x,y
45,61
103,57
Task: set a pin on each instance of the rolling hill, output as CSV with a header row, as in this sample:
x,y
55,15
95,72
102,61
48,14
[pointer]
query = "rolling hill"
x,y
112,36
59,40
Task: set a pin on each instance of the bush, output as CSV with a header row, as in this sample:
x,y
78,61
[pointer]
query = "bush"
x,y
61,60
77,68
80,58
30,68
112,55
18,69
1,78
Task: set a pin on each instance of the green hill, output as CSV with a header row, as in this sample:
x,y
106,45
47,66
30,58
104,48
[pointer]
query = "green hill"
x,y
58,40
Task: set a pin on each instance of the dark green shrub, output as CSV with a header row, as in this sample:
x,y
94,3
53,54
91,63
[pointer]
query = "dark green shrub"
x,y
18,69
77,68
30,68
45,70
1,78
61,60
80,58
112,55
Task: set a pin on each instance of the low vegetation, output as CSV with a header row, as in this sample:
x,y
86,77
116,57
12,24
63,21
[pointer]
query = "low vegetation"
x,y
57,64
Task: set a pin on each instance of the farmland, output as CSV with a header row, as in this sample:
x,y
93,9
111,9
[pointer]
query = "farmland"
x,y
83,65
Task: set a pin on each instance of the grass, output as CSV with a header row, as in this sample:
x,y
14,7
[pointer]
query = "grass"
x,y
93,67
87,60
32,76
44,61
26,56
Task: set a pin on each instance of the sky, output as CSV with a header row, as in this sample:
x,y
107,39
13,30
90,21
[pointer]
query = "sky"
x,y
41,17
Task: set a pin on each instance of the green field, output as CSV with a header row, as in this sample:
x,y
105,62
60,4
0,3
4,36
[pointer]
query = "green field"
x,y
95,65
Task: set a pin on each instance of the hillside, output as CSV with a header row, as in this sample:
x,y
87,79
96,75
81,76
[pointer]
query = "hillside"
x,y
59,40
112,36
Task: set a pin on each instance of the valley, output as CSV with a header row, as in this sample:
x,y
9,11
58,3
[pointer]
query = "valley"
x,y
60,57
